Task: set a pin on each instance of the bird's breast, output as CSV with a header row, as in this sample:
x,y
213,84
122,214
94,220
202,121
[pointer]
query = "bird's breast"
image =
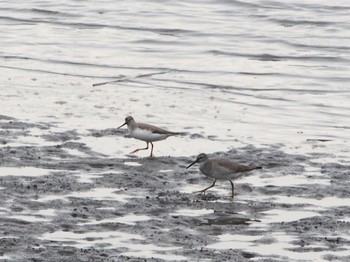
x,y
213,170
147,135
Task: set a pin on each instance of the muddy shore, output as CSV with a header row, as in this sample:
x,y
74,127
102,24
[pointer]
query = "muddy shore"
x,y
65,202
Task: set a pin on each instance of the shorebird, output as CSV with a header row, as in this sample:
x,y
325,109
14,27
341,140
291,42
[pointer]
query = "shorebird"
x,y
220,169
146,132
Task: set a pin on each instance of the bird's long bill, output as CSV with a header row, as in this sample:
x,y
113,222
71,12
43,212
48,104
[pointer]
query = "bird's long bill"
x,y
195,161
122,125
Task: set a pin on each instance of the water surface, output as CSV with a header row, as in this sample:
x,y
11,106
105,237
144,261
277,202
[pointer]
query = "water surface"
x,y
228,73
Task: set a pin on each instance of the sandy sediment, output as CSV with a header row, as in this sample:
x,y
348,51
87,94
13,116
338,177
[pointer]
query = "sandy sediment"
x,y
73,204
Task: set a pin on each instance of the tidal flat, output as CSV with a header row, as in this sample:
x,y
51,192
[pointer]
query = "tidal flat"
x,y
66,202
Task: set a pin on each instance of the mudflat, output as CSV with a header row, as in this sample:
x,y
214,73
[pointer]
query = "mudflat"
x,y
65,202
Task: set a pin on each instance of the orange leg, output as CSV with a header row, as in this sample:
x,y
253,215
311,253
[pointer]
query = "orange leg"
x,y
205,189
233,189
137,150
151,150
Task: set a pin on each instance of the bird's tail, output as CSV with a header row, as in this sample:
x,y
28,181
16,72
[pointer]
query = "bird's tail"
x,y
178,133
253,168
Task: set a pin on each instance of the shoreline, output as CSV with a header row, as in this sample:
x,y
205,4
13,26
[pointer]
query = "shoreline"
x,y
65,201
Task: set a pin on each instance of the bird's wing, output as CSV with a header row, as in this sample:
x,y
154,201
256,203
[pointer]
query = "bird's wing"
x,y
155,129
234,167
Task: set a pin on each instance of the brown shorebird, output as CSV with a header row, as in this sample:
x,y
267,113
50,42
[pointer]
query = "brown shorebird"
x,y
220,169
146,132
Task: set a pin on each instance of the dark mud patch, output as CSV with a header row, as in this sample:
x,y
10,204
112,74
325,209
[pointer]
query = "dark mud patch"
x,y
99,208
106,132
11,129
62,137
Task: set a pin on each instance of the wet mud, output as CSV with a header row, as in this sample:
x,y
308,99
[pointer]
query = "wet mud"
x,y
65,202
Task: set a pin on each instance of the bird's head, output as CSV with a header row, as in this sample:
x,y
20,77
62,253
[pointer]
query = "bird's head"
x,y
200,158
128,119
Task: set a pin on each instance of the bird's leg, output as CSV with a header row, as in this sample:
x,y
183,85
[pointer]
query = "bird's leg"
x,y
137,150
205,189
233,189
151,149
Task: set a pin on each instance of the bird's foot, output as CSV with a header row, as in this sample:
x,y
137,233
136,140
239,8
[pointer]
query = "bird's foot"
x,y
201,192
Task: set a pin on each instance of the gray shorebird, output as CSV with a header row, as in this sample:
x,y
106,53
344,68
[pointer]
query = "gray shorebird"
x,y
146,132
220,169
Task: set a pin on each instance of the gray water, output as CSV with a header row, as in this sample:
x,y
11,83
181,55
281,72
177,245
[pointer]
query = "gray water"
x,y
267,71
233,73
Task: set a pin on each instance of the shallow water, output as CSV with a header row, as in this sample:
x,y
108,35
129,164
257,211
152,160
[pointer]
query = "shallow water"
x,y
96,193
24,171
257,71
228,74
